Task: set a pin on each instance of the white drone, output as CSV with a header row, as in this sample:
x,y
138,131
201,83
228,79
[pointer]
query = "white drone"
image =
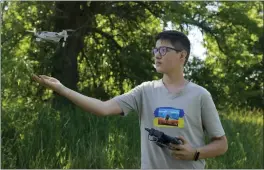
x,y
51,36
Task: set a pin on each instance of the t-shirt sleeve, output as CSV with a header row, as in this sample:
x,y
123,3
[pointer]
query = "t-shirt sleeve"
x,y
210,117
130,101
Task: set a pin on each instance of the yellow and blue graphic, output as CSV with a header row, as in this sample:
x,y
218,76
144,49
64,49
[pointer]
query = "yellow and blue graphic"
x,y
168,117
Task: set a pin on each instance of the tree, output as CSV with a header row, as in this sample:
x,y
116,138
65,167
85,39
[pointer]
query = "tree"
x,y
109,53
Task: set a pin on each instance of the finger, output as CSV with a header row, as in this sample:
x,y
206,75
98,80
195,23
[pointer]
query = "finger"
x,y
172,146
45,77
36,78
34,75
178,158
179,147
40,80
176,147
176,155
183,139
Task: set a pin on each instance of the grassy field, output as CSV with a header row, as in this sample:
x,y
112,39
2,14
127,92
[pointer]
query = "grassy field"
x,y
244,130
74,139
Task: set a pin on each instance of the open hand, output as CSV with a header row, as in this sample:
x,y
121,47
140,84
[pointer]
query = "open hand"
x,y
48,82
184,151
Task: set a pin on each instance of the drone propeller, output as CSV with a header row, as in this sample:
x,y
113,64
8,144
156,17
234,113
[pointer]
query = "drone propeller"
x,y
34,31
70,30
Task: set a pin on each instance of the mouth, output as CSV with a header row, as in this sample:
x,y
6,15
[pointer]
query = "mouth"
x,y
157,63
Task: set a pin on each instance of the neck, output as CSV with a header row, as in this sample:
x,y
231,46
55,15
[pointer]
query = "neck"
x,y
176,80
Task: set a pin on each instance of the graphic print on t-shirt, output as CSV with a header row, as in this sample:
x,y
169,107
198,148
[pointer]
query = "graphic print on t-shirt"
x,y
168,117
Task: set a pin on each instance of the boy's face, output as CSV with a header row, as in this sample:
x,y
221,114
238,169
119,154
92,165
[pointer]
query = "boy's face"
x,y
168,59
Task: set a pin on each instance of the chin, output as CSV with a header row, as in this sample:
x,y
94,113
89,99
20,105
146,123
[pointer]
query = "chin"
x,y
159,70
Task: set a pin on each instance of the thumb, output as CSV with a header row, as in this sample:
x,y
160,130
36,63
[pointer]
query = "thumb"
x,y
184,141
44,77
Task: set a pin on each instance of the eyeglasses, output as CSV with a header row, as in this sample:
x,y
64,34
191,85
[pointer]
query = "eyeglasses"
x,y
163,50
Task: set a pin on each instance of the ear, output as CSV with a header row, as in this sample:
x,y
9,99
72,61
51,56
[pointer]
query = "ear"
x,y
183,55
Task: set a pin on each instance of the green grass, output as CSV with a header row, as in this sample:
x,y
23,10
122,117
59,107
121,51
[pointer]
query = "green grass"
x,y
244,131
74,139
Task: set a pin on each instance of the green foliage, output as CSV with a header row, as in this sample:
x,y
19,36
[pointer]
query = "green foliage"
x,y
232,52
69,139
109,54
114,47
75,139
244,131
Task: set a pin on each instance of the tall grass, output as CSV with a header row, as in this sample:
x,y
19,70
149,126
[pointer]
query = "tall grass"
x,y
75,139
244,131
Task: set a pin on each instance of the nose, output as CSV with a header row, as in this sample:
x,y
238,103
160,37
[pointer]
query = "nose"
x,y
157,55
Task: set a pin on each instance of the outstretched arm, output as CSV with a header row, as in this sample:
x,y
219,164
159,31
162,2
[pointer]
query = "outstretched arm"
x,y
89,104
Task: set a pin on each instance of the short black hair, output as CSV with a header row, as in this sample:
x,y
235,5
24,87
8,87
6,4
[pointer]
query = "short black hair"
x,y
176,38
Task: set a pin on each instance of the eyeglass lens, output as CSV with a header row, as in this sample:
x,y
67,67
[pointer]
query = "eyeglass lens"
x,y
161,50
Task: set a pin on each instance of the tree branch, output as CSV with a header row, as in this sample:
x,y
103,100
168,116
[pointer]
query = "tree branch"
x,y
108,36
207,29
149,9
91,66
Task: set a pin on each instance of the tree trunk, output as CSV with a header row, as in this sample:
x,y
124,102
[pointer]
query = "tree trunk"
x,y
65,67
65,58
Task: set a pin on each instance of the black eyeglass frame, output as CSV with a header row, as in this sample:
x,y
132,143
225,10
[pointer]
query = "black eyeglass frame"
x,y
158,50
